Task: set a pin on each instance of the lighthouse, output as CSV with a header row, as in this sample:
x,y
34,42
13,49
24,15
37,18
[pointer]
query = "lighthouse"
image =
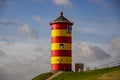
x,y
61,44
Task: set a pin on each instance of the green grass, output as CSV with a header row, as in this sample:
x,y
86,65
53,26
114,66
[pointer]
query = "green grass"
x,y
99,74
43,76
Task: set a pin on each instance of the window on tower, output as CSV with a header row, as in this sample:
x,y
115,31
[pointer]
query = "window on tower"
x,y
68,29
61,46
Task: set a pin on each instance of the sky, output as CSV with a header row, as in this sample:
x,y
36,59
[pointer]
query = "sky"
x,y
25,34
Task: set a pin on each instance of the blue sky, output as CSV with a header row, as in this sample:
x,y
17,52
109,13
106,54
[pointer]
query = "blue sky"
x,y
92,18
25,34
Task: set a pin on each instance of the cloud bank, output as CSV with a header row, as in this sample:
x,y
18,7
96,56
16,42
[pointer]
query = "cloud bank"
x,y
23,30
115,41
2,54
19,56
37,19
91,52
23,61
115,46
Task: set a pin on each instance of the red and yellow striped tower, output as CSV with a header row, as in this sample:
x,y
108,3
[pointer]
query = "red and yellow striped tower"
x,y
61,44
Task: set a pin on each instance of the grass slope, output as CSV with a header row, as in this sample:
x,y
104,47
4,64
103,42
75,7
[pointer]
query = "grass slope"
x,y
99,74
44,76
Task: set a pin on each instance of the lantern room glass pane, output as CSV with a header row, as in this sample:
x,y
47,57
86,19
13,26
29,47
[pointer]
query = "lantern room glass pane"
x,y
68,29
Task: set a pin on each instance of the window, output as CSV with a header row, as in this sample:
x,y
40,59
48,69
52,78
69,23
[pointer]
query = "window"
x,y
61,46
68,29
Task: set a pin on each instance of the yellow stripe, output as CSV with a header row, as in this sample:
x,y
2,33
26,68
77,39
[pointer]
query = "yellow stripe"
x,y
61,32
56,46
62,60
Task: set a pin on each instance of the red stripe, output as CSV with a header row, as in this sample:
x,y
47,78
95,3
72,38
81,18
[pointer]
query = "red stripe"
x,y
61,67
68,23
56,53
59,26
61,39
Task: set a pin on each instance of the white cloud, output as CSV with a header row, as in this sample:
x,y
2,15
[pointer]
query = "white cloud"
x,y
87,53
115,47
36,56
92,52
10,23
1,38
23,30
66,3
37,18
2,54
63,2
115,41
27,31
20,56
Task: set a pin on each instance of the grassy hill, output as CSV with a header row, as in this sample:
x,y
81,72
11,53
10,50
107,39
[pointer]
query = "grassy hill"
x,y
99,74
44,76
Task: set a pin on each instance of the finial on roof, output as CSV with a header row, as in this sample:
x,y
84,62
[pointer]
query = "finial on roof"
x,y
61,13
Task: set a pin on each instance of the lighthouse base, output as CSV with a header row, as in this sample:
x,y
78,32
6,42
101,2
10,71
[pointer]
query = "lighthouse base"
x,y
61,67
